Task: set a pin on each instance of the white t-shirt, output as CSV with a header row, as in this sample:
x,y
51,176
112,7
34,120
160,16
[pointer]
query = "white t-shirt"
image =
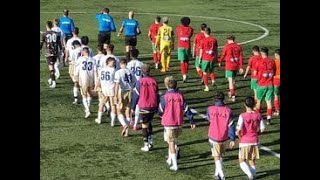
x,y
85,68
74,55
104,60
98,57
90,50
123,77
58,30
70,41
107,77
134,66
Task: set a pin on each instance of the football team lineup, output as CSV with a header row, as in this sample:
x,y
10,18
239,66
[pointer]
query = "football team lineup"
x,y
146,57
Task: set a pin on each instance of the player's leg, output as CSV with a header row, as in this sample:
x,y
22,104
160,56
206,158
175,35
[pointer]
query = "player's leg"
x,y
150,129
56,67
205,70
113,110
127,104
268,98
276,100
155,55
136,118
230,77
244,153
172,149
164,54
261,92
181,58
253,86
120,113
198,66
102,100
51,61
217,150
212,74
145,125
168,59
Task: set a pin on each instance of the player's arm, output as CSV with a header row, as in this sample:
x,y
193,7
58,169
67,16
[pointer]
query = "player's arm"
x,y
72,25
162,105
149,34
224,53
138,30
248,68
43,39
188,113
172,40
231,131
136,95
158,38
121,29
216,51
116,87
239,126
194,47
256,67
262,126
201,50
113,26
241,61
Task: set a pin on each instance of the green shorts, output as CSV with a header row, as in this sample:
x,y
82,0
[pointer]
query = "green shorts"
x,y
154,49
253,84
231,74
184,54
264,91
198,62
207,66
276,90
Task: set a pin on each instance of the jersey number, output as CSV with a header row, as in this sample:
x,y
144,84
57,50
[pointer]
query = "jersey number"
x,y
87,65
51,38
127,78
136,71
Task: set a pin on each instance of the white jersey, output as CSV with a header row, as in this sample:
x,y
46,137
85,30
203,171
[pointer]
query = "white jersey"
x,y
85,68
104,60
58,30
107,77
74,55
90,50
98,58
134,67
70,41
123,77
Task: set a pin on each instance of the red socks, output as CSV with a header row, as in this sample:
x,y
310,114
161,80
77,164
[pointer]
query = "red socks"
x,y
184,66
200,73
205,79
212,76
277,105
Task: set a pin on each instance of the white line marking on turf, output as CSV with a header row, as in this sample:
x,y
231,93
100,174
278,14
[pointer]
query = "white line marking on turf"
x,y
266,31
261,147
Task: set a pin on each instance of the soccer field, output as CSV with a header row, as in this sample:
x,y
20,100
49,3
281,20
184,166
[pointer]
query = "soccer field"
x,y
72,147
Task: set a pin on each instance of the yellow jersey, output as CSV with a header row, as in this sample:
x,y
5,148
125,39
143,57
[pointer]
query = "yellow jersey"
x,y
165,34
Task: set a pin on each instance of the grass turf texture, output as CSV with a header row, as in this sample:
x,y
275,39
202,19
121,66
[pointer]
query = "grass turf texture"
x,y
72,147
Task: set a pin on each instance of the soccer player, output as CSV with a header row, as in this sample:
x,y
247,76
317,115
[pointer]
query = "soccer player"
x,y
67,25
60,47
265,70
251,65
221,127
106,83
276,83
135,67
122,98
249,125
106,26
109,50
69,46
49,38
85,42
101,53
152,34
85,70
172,107
184,34
75,54
132,29
196,49
166,42
145,95
233,55
208,55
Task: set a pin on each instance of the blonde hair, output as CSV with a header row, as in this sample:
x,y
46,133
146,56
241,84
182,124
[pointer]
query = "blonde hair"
x,y
167,79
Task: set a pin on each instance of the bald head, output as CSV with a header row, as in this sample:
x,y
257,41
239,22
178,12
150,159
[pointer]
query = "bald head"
x,y
131,14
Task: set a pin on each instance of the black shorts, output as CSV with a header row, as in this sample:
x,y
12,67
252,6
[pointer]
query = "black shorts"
x,y
67,37
104,37
131,40
51,60
147,117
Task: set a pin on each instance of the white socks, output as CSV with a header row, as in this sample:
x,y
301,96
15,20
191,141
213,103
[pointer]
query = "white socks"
x,y
99,115
108,106
219,168
136,115
113,117
85,104
174,161
75,92
245,168
121,120
184,77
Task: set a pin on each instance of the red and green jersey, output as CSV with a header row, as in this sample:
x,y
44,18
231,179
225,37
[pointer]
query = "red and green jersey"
x,y
252,63
184,34
265,68
209,47
153,29
232,53
197,40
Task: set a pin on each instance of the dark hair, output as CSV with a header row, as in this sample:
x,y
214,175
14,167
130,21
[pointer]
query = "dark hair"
x,y
106,10
134,53
85,40
158,19
86,49
55,20
76,42
231,37
249,102
146,69
255,48
110,47
110,59
207,30
66,12
172,84
265,50
277,51
219,96
203,25
76,30
49,24
123,61
185,21
100,47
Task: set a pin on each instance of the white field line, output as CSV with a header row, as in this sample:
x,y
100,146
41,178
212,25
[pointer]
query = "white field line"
x,y
261,147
